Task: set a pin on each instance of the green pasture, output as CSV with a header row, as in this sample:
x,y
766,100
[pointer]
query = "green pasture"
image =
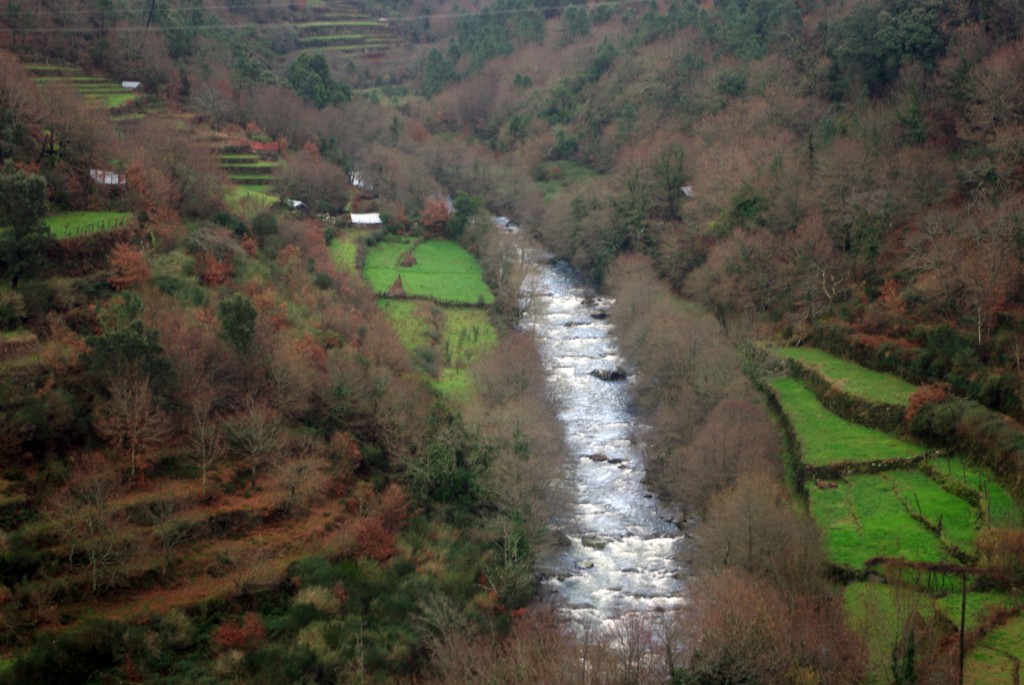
x,y
71,224
978,604
999,505
256,195
468,334
556,176
923,496
991,662
409,319
863,518
345,248
827,439
443,272
851,377
877,612
456,336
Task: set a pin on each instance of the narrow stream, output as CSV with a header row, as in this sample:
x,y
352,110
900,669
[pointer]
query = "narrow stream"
x,y
622,553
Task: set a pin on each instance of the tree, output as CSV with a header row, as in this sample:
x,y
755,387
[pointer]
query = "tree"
x,y
438,71
255,434
128,267
206,440
238,322
131,417
86,522
17,103
24,241
753,526
435,214
311,79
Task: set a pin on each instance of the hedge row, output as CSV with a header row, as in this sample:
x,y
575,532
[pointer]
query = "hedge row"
x,y
934,354
987,437
88,253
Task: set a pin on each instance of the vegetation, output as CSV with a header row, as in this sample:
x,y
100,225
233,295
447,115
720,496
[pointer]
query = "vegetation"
x,y
199,412
438,270
826,439
851,377
73,224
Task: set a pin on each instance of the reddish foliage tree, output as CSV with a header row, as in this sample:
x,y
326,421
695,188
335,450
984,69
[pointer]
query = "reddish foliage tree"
x,y
435,213
128,267
213,271
926,394
393,507
373,539
246,635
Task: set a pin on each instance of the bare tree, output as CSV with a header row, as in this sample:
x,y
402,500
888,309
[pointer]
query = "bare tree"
x,y
131,418
255,434
82,516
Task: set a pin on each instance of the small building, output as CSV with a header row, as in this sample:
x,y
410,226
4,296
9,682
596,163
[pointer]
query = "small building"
x,y
131,85
106,178
271,149
367,219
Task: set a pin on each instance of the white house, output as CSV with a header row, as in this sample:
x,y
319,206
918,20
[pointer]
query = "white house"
x,y
367,219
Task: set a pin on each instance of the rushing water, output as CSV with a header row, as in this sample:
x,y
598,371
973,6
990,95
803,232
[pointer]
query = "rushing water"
x,y
621,553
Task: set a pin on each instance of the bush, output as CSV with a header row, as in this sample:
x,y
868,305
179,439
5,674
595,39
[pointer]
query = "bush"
x,y
925,395
70,658
245,636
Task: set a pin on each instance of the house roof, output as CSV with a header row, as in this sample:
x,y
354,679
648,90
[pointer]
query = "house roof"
x,y
369,219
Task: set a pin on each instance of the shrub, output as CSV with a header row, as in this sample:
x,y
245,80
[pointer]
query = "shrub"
x,y
323,599
245,636
938,419
926,394
1002,550
69,658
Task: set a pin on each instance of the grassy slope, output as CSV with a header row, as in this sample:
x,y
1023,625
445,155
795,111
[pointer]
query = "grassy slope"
x,y
863,518
990,663
1002,509
443,272
71,224
827,439
853,378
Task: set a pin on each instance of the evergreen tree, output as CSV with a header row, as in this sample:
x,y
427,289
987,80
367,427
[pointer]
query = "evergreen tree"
x,y
24,238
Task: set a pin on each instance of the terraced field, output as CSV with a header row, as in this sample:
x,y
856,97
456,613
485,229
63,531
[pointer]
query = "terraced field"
x,y
925,512
998,656
826,439
851,377
343,28
98,92
247,168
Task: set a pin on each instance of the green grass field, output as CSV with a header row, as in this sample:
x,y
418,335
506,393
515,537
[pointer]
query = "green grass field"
x,y
863,518
443,272
71,224
876,611
990,663
999,504
457,336
960,521
827,439
851,377
255,195
977,605
344,248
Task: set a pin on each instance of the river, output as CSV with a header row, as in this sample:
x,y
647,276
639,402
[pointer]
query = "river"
x,y
622,553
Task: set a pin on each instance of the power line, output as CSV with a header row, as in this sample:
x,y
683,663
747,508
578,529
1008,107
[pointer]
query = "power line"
x,y
251,24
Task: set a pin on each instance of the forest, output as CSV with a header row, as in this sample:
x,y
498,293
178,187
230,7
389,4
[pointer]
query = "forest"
x,y
244,438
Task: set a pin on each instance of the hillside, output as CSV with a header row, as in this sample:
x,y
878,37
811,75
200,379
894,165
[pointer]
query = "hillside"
x,y
267,441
